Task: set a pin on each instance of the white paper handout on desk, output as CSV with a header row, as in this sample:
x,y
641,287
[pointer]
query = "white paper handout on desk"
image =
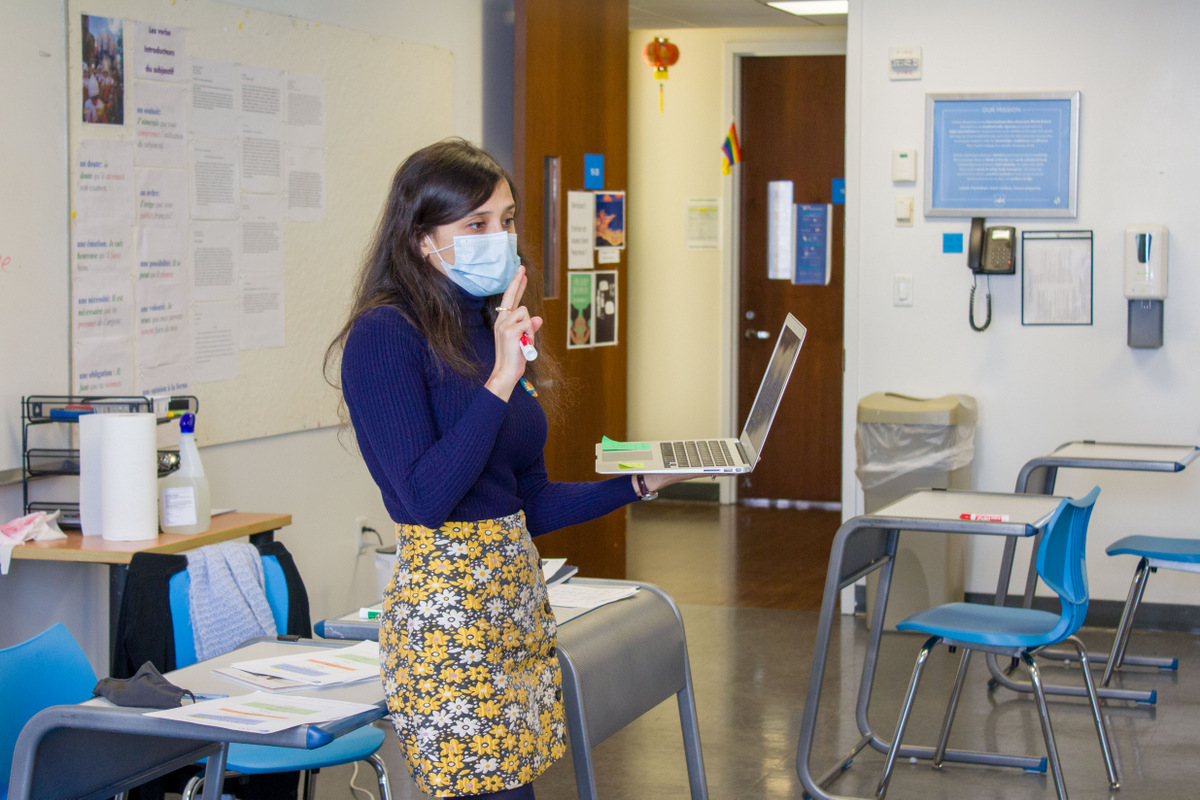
x,y
321,666
582,595
262,713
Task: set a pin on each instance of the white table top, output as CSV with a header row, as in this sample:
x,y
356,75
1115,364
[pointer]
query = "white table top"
x,y
943,505
1115,451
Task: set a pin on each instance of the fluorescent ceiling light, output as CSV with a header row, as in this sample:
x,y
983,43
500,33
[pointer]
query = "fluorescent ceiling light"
x,y
812,8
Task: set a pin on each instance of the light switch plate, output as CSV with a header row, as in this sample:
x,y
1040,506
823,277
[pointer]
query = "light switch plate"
x,y
902,290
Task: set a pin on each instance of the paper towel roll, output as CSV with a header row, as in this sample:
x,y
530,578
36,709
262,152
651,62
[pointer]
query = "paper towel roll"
x,y
118,476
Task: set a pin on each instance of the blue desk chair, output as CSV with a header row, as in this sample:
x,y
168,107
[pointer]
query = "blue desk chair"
x,y
48,670
1018,633
250,759
1154,553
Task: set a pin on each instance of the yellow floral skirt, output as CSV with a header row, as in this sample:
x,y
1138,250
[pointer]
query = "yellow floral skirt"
x,y
469,662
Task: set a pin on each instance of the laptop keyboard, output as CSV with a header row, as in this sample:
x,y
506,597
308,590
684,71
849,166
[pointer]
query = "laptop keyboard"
x,y
696,454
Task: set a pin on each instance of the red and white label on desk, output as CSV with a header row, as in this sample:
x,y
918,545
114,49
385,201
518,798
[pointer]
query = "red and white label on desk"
x,y
985,517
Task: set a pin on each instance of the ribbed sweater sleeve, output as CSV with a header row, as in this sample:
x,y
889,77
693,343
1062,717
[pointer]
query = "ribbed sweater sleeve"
x,y
384,369
550,505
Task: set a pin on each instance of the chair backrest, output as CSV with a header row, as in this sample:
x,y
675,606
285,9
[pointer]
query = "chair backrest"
x,y
48,670
274,584
1062,558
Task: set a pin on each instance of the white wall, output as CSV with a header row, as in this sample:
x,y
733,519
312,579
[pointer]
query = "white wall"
x,y
308,474
1138,69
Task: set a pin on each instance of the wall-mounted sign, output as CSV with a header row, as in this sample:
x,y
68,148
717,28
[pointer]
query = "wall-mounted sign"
x,y
1002,155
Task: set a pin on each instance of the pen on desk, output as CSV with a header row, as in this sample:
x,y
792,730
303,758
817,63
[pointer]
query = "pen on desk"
x,y
985,517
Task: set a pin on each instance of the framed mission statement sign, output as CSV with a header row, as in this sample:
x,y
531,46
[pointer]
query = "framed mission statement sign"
x,y
1002,155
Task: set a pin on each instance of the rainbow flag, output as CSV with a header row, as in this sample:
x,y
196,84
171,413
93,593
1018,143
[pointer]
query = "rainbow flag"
x,y
731,151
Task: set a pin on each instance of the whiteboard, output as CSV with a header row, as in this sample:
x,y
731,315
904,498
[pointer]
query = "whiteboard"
x,y
34,269
384,99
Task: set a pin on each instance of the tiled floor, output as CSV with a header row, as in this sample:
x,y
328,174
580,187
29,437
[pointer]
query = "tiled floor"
x,y
741,578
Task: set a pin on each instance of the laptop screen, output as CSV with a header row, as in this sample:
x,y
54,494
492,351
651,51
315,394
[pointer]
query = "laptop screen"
x,y
770,391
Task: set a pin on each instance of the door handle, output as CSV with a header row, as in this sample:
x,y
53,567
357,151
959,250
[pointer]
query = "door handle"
x,y
753,334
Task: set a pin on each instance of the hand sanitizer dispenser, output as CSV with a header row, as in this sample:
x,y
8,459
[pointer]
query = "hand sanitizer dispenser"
x,y
1146,283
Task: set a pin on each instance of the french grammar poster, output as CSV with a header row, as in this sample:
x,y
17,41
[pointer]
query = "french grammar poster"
x,y
580,304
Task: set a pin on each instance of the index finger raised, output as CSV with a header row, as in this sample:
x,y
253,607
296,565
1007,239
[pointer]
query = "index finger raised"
x,y
516,288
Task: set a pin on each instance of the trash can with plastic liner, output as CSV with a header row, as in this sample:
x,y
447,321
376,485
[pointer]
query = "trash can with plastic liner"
x,y
906,443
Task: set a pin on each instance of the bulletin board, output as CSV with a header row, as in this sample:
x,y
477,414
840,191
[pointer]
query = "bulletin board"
x,y
383,100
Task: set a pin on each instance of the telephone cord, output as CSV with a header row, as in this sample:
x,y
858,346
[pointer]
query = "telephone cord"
x,y
971,310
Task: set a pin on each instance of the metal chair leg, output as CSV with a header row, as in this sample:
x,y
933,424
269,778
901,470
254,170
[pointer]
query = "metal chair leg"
x,y
193,786
1129,634
1137,588
310,784
385,788
939,753
1114,777
1047,732
922,657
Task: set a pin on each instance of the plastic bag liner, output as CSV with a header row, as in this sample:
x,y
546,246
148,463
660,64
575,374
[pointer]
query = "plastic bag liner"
x,y
889,450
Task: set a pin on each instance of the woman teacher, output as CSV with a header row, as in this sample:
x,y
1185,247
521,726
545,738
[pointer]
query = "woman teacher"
x,y
444,406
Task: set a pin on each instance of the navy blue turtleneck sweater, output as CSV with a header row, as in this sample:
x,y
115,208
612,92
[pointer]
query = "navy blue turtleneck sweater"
x,y
441,447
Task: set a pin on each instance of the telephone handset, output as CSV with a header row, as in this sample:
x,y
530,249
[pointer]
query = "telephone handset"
x,y
991,251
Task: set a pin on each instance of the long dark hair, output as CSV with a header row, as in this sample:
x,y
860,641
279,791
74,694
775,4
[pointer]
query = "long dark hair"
x,y
437,185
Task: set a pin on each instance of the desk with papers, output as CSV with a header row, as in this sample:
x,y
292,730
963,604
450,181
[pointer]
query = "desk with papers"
x,y
96,749
619,660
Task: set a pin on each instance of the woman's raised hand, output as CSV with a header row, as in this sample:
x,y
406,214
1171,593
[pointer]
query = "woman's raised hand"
x,y
512,321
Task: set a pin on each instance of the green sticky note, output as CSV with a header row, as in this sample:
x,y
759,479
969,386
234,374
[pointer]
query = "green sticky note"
x,y
629,465
609,445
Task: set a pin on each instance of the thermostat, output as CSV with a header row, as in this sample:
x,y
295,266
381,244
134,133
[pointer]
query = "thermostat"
x,y
904,165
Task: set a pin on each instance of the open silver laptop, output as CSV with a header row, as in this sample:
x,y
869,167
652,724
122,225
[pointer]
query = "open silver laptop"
x,y
724,455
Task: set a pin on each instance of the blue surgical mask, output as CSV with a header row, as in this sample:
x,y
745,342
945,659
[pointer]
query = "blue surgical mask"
x,y
484,264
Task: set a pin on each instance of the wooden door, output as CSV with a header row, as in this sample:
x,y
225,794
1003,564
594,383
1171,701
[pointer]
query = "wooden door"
x,y
571,99
792,128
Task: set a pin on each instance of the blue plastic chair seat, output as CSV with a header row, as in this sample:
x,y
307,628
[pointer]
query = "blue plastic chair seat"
x,y
258,759
1162,548
995,626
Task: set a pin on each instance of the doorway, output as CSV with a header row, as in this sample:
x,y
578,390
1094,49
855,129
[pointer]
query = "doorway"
x,y
792,128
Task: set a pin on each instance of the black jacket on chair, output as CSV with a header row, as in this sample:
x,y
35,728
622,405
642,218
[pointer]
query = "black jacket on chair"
x,y
145,633
144,629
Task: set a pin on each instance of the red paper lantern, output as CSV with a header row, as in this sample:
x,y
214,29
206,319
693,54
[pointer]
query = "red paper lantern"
x,y
660,54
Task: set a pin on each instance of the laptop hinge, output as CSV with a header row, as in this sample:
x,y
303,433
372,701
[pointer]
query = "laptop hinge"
x,y
742,452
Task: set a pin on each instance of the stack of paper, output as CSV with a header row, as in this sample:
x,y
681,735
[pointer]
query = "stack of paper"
x,y
320,667
262,713
582,595
268,682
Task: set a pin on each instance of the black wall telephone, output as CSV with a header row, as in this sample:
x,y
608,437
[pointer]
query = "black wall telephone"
x,y
991,251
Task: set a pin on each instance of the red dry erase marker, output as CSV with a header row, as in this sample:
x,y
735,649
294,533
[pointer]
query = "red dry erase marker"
x,y
985,517
528,349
